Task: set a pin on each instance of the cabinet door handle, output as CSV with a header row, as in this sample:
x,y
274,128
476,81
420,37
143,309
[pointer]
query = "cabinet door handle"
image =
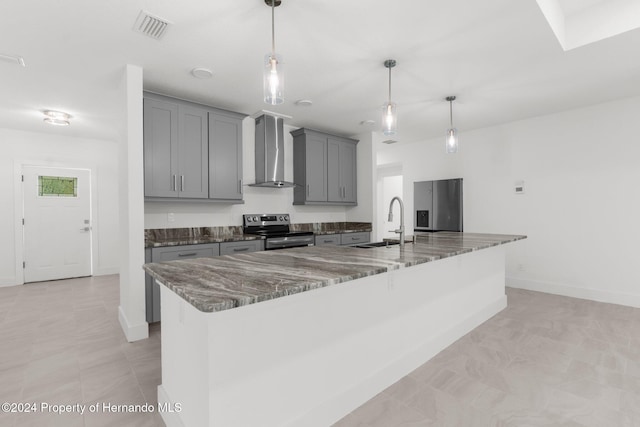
x,y
240,249
189,254
327,241
240,186
181,182
308,189
175,182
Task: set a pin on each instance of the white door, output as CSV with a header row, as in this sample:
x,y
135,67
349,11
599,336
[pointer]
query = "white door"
x,y
57,226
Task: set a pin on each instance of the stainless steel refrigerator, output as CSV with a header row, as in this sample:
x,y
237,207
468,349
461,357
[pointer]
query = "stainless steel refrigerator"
x,y
437,205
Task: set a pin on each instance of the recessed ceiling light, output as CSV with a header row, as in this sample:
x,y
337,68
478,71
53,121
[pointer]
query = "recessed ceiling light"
x,y
57,118
367,122
304,102
202,73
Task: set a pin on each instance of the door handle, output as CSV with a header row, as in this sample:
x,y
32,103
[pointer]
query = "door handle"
x,y
240,249
85,229
240,186
181,182
175,182
308,189
189,254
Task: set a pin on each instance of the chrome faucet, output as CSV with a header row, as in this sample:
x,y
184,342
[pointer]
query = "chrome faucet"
x,y
401,229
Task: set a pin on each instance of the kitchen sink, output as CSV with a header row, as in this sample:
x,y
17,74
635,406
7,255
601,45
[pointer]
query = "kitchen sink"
x,y
376,245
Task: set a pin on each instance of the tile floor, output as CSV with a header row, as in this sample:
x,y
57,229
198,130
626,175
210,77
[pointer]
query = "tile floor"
x,y
546,360
61,343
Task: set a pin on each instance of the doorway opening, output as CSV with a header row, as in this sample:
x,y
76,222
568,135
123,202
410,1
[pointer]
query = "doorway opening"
x,y
390,184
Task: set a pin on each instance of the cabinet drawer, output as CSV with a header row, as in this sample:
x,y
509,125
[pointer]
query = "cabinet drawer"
x,y
173,253
328,239
230,248
354,238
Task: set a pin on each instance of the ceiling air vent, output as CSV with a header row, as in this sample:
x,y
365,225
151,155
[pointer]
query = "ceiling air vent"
x,y
389,141
151,25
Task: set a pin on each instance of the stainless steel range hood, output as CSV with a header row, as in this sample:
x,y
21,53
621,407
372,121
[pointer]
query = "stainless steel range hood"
x,y
270,152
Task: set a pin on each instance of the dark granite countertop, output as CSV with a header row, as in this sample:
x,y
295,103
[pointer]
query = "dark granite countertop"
x,y
222,283
160,237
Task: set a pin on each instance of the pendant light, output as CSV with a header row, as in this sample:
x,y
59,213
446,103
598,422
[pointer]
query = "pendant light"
x,y
389,109
273,77
451,139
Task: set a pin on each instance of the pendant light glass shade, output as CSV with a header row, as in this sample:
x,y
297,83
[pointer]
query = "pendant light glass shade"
x,y
451,139
272,75
389,109
389,118
273,79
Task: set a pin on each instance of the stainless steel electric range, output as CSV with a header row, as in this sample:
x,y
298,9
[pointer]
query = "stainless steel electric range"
x,y
275,228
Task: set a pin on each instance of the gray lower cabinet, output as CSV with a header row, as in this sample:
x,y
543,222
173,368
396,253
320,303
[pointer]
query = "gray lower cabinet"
x,y
171,253
343,238
327,239
324,168
355,238
231,248
191,151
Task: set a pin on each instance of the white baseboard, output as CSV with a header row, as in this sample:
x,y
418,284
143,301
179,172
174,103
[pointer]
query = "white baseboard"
x,y
106,271
610,297
132,332
171,419
5,283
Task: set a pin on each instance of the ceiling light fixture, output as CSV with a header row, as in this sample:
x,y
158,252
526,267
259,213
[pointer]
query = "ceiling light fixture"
x,y
57,118
202,73
273,77
304,103
389,109
451,140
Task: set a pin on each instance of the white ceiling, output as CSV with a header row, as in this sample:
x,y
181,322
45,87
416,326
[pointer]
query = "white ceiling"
x,y
500,57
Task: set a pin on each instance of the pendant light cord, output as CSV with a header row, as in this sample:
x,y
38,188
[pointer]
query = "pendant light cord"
x,y
451,113
389,84
273,27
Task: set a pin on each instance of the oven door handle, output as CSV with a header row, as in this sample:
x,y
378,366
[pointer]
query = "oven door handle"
x,y
289,240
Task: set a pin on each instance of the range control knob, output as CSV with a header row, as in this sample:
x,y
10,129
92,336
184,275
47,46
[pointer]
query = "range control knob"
x,y
286,217
249,219
255,219
281,218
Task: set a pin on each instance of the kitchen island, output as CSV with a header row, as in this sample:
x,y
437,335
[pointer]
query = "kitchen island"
x,y
303,336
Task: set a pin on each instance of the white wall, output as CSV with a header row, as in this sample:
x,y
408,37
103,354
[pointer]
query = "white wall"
x,y
581,203
257,200
30,148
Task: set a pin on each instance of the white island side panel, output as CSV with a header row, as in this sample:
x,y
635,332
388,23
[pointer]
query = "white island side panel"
x,y
311,358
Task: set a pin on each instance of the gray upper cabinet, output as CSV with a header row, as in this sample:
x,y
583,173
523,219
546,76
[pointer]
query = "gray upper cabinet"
x,y
160,148
193,169
191,151
324,168
225,156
